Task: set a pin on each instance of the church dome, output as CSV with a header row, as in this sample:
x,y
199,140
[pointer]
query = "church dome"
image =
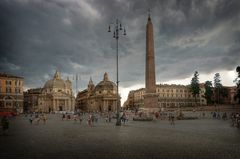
x,y
105,85
56,82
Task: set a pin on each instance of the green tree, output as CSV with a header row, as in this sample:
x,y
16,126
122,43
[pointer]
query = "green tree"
x,y
208,91
194,87
238,84
217,87
223,92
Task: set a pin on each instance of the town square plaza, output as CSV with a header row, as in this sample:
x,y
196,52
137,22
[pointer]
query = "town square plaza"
x,y
68,139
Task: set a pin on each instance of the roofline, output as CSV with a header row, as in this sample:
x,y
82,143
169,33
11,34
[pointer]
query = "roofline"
x,y
5,75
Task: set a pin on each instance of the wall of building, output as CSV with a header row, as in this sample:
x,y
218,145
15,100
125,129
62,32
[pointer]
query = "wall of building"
x,y
11,93
169,96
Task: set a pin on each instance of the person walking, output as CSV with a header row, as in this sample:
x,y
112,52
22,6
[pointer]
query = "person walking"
x,y
90,119
123,117
218,115
44,118
237,120
106,118
171,118
233,118
30,119
80,118
63,116
109,117
68,117
5,125
75,118
37,118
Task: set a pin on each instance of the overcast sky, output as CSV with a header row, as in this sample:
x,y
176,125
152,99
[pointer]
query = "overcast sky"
x,y
40,36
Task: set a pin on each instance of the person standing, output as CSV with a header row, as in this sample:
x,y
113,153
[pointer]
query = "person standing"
x,y
75,118
172,120
80,118
90,119
109,117
5,125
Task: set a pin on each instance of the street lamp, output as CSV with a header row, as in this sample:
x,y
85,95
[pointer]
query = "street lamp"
x,y
117,28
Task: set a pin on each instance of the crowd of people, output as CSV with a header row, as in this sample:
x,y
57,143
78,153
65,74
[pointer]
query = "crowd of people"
x,y
235,117
36,118
92,118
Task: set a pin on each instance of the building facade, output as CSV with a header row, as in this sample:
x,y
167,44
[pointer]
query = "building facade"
x,y
11,93
228,97
169,96
31,98
56,95
101,98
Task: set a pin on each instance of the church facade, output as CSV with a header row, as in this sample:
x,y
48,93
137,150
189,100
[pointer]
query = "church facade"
x,y
99,98
56,95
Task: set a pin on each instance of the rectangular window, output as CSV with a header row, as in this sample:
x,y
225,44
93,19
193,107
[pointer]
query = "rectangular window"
x,y
8,104
17,90
17,83
8,90
8,82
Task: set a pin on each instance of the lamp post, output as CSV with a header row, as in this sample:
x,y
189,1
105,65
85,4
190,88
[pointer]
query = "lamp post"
x,y
117,28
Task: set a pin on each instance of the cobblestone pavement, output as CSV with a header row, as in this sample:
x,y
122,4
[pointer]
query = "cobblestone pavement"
x,y
57,139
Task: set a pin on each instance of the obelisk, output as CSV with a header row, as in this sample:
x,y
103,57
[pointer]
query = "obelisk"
x,y
150,97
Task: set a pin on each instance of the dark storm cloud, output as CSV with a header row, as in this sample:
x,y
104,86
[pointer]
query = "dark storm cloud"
x,y
39,36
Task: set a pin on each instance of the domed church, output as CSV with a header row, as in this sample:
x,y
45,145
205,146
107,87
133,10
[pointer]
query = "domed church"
x,y
101,98
57,95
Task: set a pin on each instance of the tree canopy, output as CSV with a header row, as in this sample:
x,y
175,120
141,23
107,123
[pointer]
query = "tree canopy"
x,y
194,87
208,91
238,83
